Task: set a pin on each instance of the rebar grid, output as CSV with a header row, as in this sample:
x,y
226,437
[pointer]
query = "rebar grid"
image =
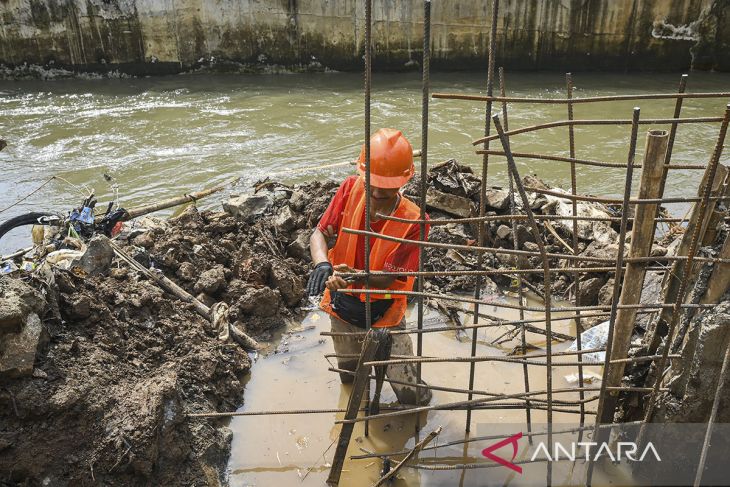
x,y
551,264
543,400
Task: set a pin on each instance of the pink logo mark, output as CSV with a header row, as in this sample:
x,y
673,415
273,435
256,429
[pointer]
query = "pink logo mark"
x,y
487,452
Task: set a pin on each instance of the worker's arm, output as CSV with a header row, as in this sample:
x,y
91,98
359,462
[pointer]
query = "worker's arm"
x,y
318,247
336,282
322,268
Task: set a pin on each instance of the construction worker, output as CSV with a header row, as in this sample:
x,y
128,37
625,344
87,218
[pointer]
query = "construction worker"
x,y
391,167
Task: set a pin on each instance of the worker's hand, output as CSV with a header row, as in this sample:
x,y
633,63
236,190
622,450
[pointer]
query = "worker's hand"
x,y
344,268
335,283
318,278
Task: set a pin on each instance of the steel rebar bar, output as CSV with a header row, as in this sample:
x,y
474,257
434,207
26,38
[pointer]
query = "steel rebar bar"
x,y
617,279
593,99
564,123
482,229
426,89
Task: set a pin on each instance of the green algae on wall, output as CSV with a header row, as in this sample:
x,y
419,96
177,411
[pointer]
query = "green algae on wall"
x,y
157,36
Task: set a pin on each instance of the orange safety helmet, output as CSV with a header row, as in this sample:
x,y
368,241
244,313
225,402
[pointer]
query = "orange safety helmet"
x,y
391,159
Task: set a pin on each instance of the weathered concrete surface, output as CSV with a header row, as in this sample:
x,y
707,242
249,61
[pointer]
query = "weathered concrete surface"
x,y
157,36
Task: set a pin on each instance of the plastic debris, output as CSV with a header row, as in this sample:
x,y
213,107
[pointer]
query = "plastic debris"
x,y
596,337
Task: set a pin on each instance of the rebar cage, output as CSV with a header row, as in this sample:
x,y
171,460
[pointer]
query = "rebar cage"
x,y
633,260
630,264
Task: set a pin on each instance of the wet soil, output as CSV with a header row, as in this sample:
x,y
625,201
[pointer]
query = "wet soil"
x,y
126,362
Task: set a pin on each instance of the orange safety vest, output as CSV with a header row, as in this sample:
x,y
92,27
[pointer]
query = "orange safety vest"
x,y
344,252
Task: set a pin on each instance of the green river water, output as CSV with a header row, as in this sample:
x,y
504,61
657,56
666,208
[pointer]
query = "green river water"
x,y
160,137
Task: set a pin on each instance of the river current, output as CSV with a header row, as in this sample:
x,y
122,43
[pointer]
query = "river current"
x,y
165,136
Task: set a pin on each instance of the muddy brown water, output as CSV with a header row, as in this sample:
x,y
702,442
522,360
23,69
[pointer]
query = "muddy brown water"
x,y
295,449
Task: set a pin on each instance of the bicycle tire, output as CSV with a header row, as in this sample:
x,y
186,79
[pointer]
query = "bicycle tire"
x,y
30,218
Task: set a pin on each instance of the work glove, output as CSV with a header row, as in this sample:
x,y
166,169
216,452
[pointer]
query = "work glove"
x,y
318,278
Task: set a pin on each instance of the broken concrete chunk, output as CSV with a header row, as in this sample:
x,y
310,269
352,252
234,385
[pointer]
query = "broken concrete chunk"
x,y
589,290
289,284
97,258
299,248
448,203
249,206
503,231
17,301
605,295
18,350
497,198
284,220
211,281
297,200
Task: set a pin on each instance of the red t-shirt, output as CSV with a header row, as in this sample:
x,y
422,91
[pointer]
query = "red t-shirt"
x,y
404,259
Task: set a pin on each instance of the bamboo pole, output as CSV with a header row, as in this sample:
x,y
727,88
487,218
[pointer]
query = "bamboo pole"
x,y
179,200
642,237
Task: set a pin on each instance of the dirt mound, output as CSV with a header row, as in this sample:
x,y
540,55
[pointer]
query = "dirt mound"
x,y
126,362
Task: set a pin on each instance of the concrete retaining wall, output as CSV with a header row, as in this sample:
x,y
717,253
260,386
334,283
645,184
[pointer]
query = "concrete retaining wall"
x,y
148,36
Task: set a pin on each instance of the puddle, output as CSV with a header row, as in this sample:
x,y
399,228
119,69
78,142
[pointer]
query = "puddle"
x,y
298,449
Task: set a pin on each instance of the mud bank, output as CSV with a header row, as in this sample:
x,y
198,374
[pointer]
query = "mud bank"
x,y
98,370
119,362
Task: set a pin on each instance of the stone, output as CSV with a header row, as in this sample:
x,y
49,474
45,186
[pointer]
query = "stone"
x,y
97,258
17,301
248,207
211,281
524,234
145,240
284,220
589,289
289,284
79,308
497,198
18,350
448,203
605,294
531,246
297,200
299,248
262,301
503,231
187,271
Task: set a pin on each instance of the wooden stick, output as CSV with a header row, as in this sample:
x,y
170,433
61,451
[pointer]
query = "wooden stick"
x,y
186,198
551,229
419,446
642,237
362,378
16,254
